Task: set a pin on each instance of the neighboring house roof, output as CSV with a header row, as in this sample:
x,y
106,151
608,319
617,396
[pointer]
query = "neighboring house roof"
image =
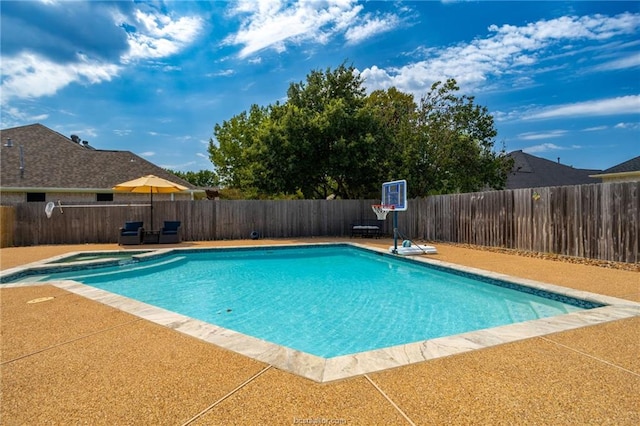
x,y
530,171
52,161
627,168
632,165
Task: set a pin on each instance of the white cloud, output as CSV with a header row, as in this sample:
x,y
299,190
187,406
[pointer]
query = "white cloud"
x,y
595,27
542,135
270,25
508,51
122,132
620,105
12,116
631,126
183,166
28,75
159,36
274,24
147,154
546,147
183,30
377,78
370,27
85,133
39,117
221,73
595,129
626,62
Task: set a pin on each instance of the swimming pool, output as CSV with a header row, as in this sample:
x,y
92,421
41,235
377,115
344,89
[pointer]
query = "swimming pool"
x,y
326,301
318,302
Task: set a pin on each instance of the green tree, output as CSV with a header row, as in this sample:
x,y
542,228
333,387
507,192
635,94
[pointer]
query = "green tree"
x,y
395,113
321,142
453,149
236,155
325,139
330,138
202,178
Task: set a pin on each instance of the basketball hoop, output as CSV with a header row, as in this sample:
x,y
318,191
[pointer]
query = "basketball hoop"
x,y
381,210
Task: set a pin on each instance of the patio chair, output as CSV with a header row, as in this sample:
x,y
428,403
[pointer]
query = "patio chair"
x,y
131,233
170,233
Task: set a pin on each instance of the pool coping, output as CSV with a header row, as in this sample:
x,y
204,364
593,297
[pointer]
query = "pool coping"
x,y
322,369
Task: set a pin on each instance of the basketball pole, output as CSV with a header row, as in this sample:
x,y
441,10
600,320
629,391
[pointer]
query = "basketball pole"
x,y
395,232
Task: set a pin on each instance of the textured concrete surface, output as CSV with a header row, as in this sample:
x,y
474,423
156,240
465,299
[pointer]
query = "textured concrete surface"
x,y
70,360
290,397
32,327
531,382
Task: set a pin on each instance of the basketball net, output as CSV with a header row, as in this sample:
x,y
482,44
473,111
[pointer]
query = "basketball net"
x,y
381,210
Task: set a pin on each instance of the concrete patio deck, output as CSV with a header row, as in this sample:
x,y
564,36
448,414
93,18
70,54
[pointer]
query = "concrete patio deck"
x,y
70,360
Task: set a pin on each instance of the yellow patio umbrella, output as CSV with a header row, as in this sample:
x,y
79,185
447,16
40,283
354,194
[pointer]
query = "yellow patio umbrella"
x,y
150,184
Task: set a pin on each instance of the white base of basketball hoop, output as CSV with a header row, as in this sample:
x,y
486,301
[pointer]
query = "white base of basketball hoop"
x,y
381,210
413,250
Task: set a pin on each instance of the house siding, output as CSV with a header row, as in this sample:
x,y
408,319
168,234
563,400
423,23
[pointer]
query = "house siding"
x,y
12,198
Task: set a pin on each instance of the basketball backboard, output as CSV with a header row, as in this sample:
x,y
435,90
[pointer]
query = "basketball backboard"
x,y
395,194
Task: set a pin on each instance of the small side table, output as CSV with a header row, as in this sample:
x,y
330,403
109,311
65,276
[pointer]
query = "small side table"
x,y
151,237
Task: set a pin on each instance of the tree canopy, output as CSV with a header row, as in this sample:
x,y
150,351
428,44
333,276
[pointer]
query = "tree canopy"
x,y
332,139
202,178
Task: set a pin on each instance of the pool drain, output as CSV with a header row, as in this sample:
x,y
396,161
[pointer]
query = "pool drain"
x,y
41,299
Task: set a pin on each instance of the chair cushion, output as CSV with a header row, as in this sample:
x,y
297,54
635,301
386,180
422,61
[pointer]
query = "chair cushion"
x,y
132,226
128,233
169,232
171,225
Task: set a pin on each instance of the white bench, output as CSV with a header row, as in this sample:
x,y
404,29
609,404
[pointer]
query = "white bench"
x,y
367,228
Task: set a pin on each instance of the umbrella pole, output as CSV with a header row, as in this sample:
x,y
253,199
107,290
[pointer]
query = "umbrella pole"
x,y
151,191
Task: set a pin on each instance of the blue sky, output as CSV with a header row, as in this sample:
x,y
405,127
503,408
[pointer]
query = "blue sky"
x,y
562,79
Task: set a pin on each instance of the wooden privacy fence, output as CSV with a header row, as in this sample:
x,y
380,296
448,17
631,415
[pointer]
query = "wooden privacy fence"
x,y
201,220
599,221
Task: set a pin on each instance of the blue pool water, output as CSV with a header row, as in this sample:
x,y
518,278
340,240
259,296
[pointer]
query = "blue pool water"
x,y
323,300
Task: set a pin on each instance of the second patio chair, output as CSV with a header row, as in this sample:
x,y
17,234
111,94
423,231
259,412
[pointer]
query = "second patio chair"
x,y
170,232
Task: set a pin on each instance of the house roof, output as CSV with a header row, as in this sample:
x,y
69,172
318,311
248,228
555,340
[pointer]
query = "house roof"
x,y
530,171
626,170
632,165
50,160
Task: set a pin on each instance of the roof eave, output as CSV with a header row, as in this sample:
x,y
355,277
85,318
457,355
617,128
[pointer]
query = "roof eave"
x,y
79,190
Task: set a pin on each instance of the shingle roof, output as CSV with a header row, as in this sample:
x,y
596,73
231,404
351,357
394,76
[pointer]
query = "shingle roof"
x,y
632,165
530,171
52,160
